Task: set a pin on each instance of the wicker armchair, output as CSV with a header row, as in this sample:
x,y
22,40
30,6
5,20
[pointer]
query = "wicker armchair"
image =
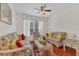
x,y
56,38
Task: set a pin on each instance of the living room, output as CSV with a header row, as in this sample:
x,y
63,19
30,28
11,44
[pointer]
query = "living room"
x,y
52,19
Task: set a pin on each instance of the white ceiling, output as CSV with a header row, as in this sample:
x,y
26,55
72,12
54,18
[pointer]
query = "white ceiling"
x,y
28,8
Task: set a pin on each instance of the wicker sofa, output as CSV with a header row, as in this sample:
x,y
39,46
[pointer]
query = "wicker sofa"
x,y
5,50
56,38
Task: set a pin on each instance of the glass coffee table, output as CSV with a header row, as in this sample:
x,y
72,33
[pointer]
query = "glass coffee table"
x,y
42,49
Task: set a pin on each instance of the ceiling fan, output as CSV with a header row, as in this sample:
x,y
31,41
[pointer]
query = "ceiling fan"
x,y
43,9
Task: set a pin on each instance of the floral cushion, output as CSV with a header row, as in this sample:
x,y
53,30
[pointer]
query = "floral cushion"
x,y
8,39
57,35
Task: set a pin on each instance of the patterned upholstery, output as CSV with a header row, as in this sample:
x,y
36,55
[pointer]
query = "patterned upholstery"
x,y
58,35
6,40
57,38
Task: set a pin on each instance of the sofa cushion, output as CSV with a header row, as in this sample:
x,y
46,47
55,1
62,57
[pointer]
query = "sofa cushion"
x,y
57,36
6,40
4,43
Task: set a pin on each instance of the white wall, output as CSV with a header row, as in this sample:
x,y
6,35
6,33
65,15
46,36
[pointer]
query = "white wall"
x,y
19,24
67,21
6,28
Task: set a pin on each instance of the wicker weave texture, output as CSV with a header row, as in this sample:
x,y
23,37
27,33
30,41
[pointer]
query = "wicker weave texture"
x,y
16,52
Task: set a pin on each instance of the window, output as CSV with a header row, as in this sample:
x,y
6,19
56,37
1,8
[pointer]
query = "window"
x,y
34,26
31,26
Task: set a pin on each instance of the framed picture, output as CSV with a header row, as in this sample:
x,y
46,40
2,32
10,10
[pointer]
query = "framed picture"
x,y
5,13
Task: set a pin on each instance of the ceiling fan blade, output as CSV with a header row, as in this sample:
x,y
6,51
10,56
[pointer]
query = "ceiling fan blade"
x,y
48,10
44,6
44,13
